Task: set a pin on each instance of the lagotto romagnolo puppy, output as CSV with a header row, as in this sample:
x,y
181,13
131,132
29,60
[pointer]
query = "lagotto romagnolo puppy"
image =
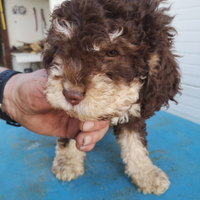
x,y
112,59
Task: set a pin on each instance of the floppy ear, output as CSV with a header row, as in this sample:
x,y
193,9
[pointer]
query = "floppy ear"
x,y
52,42
48,54
163,80
64,23
162,83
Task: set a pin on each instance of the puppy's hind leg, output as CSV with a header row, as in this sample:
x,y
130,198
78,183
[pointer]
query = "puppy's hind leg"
x,y
68,163
147,177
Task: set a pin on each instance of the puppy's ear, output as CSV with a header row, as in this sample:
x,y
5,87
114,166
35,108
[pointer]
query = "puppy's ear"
x,y
63,29
48,55
162,83
64,23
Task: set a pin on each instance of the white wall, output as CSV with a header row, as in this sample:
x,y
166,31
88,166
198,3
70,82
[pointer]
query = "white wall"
x,y
187,43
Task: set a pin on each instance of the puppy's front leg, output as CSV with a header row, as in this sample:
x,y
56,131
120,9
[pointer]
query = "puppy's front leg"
x,y
147,177
68,163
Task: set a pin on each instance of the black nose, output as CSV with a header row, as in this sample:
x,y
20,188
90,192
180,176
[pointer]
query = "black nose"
x,y
72,96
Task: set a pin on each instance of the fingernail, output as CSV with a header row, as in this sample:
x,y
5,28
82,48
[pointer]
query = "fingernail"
x,y
87,140
87,126
82,147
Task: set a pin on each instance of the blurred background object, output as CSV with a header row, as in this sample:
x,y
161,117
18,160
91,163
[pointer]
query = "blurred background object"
x,y
26,25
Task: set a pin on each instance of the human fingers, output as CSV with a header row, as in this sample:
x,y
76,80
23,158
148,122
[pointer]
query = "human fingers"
x,y
87,148
85,141
93,125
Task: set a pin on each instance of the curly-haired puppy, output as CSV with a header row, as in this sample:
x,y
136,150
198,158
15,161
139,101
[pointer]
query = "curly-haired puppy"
x,y
112,59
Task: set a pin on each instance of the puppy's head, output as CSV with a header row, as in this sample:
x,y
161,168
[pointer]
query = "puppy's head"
x,y
110,58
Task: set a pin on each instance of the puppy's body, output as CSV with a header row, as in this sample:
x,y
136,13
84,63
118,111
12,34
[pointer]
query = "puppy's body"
x,y
112,59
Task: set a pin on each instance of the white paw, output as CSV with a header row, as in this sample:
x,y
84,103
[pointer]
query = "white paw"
x,y
154,182
66,170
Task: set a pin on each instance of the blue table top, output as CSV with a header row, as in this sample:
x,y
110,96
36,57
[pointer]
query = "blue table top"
x,y
26,159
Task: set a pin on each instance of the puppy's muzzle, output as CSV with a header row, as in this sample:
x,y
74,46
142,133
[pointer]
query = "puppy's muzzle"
x,y
73,97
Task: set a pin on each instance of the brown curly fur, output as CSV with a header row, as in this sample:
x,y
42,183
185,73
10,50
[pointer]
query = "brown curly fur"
x,y
145,26
144,49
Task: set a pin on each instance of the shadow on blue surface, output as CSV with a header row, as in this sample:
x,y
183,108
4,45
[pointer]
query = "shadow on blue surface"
x,y
26,158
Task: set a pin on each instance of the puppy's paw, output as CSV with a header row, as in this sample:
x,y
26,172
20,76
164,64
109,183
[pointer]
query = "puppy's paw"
x,y
155,182
66,170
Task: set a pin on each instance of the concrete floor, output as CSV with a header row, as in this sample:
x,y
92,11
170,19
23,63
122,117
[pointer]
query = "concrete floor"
x,y
26,158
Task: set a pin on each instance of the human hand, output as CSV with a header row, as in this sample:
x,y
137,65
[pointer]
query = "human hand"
x,y
25,103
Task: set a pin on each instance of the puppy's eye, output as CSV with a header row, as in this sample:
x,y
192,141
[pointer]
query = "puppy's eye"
x,y
112,53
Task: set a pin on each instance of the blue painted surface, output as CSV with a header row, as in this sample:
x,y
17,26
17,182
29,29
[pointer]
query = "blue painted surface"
x,y
26,158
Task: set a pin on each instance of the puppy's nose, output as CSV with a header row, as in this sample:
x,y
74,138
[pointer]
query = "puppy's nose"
x,y
72,96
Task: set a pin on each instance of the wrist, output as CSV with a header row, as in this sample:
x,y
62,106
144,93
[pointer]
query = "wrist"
x,y
7,111
8,99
